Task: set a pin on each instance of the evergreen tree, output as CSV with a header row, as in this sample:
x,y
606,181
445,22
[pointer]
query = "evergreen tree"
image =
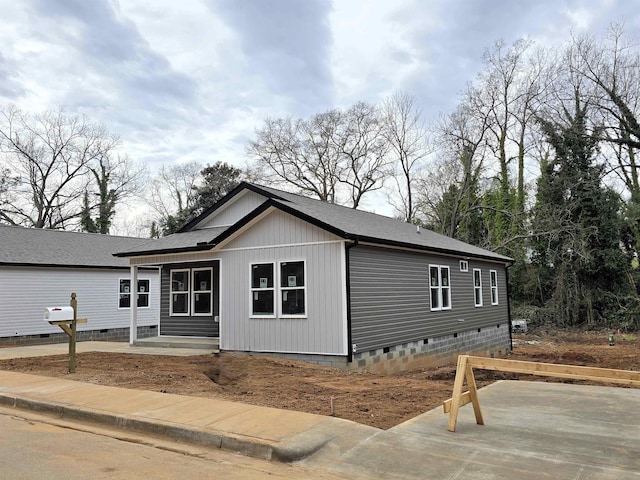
x,y
580,266
219,179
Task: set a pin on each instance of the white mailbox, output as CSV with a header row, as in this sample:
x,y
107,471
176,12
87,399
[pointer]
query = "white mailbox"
x,y
53,314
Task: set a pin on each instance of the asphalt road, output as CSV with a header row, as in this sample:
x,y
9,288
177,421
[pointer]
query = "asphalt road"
x,y
34,447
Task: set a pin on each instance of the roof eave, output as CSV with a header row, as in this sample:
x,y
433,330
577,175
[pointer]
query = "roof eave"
x,y
163,251
393,243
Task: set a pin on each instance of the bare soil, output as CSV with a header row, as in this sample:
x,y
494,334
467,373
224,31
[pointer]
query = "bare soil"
x,y
381,401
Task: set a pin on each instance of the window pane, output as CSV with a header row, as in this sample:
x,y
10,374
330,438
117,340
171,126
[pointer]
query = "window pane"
x,y
476,278
143,299
180,281
445,298
202,280
293,302
478,296
435,298
124,286
444,272
179,303
202,303
433,273
125,300
494,296
292,274
494,280
262,302
143,286
262,275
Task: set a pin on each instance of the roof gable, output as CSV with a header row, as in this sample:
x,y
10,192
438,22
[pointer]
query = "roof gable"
x,y
347,223
232,211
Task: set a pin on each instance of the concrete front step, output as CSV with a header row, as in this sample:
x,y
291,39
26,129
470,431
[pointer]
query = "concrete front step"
x,y
212,344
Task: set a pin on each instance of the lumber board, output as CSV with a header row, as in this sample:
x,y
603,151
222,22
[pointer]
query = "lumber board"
x,y
608,375
465,398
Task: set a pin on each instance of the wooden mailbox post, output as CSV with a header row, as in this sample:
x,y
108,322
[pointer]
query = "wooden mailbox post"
x,y
69,326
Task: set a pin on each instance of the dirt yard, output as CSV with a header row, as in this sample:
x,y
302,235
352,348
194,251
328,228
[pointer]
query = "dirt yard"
x,y
377,400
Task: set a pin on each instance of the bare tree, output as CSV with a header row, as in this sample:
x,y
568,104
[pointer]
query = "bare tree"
x,y
114,179
611,70
408,144
362,150
173,188
330,156
301,153
50,155
173,192
450,196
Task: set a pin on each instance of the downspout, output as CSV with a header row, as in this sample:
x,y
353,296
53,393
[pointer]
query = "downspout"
x,y
506,270
349,246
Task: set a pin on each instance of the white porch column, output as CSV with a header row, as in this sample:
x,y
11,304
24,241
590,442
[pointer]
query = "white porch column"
x,y
133,326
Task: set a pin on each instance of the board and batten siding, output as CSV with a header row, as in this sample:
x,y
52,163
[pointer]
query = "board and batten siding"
x,y
25,292
390,303
276,238
188,325
233,211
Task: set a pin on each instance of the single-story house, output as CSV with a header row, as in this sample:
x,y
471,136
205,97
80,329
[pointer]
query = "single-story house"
x,y
41,268
274,272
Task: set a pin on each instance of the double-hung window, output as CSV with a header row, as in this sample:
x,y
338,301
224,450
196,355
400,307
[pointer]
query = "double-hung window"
x,y
179,292
494,287
124,300
440,287
293,290
281,292
202,291
191,292
477,287
262,290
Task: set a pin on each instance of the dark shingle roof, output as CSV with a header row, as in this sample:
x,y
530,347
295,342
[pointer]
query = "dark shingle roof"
x,y
178,242
343,221
372,227
35,246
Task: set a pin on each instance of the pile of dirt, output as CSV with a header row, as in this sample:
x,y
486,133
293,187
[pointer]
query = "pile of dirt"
x,y
382,401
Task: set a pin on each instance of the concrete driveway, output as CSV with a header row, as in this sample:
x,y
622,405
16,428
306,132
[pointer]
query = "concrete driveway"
x,y
532,430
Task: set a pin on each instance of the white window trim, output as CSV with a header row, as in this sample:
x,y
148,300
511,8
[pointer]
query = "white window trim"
x,y
130,292
283,289
274,289
479,287
464,265
179,292
440,288
200,292
494,274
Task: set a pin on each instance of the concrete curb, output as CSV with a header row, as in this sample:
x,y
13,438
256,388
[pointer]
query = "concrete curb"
x,y
304,446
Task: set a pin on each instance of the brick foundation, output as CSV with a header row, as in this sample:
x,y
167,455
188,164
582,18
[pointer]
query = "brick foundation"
x,y
107,335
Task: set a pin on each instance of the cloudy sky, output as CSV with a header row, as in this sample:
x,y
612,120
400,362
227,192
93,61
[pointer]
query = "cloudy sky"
x,y
192,79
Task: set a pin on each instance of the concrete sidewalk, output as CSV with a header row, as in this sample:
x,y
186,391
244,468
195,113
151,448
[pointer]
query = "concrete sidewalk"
x,y
261,432
7,353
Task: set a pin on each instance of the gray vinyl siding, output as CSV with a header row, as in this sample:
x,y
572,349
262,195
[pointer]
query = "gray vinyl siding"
x,y
189,326
282,237
26,291
390,303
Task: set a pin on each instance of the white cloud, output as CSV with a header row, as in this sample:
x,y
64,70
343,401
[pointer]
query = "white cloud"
x,y
192,80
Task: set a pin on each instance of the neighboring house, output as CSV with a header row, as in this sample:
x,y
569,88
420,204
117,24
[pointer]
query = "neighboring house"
x,y
40,268
270,271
